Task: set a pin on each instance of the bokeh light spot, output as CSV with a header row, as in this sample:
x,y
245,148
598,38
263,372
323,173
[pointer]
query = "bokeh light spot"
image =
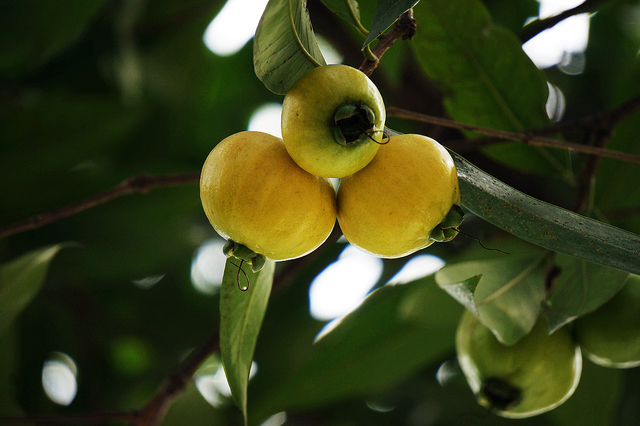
x,y
266,118
207,266
554,45
417,267
148,282
342,285
234,26
214,387
59,378
130,355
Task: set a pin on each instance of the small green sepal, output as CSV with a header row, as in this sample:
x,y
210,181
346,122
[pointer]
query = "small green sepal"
x,y
437,234
448,228
244,253
258,262
453,219
227,249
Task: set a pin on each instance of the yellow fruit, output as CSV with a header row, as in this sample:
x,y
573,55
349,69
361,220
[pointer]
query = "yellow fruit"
x,y
390,207
332,121
610,336
254,194
535,375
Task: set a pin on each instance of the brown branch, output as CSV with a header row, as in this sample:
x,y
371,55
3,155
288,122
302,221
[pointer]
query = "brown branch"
x,y
530,138
536,27
153,413
136,184
601,133
404,28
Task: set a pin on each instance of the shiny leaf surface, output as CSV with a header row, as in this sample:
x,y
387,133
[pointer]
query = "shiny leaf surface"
x,y
284,47
241,315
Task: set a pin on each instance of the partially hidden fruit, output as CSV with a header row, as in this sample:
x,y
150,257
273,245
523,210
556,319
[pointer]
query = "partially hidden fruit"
x,y
254,194
333,120
610,336
392,207
533,376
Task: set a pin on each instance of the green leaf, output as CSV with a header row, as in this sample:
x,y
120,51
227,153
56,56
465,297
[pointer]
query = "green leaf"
x,y
241,315
347,10
21,280
9,364
581,287
285,47
386,13
396,331
507,298
463,291
543,224
486,77
35,31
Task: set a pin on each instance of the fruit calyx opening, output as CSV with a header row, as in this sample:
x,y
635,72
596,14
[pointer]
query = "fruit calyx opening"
x,y
353,124
499,394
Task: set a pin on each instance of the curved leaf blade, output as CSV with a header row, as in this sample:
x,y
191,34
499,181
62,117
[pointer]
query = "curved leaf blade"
x,y
21,280
397,330
241,315
580,288
348,10
508,296
385,14
285,46
543,224
486,77
34,32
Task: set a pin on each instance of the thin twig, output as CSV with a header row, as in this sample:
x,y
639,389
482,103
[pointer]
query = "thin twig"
x,y
136,184
153,413
536,27
404,28
600,135
527,137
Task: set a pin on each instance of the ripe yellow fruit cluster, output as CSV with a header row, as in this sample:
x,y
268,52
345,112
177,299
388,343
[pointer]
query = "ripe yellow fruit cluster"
x,y
273,197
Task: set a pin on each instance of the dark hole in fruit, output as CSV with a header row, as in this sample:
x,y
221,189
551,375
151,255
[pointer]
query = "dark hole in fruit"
x,y
500,394
354,125
550,278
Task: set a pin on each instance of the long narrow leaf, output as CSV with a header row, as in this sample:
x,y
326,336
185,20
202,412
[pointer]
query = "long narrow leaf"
x,y
21,280
397,330
347,10
546,225
285,47
581,287
241,315
385,14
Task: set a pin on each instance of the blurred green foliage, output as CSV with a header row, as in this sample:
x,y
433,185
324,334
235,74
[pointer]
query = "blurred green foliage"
x,y
92,93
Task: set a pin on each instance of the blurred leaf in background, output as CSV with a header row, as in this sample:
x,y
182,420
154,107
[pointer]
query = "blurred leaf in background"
x,y
94,93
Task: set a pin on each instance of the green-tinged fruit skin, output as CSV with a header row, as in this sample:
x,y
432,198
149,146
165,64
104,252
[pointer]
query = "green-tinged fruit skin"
x,y
610,336
391,207
308,127
254,194
526,379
